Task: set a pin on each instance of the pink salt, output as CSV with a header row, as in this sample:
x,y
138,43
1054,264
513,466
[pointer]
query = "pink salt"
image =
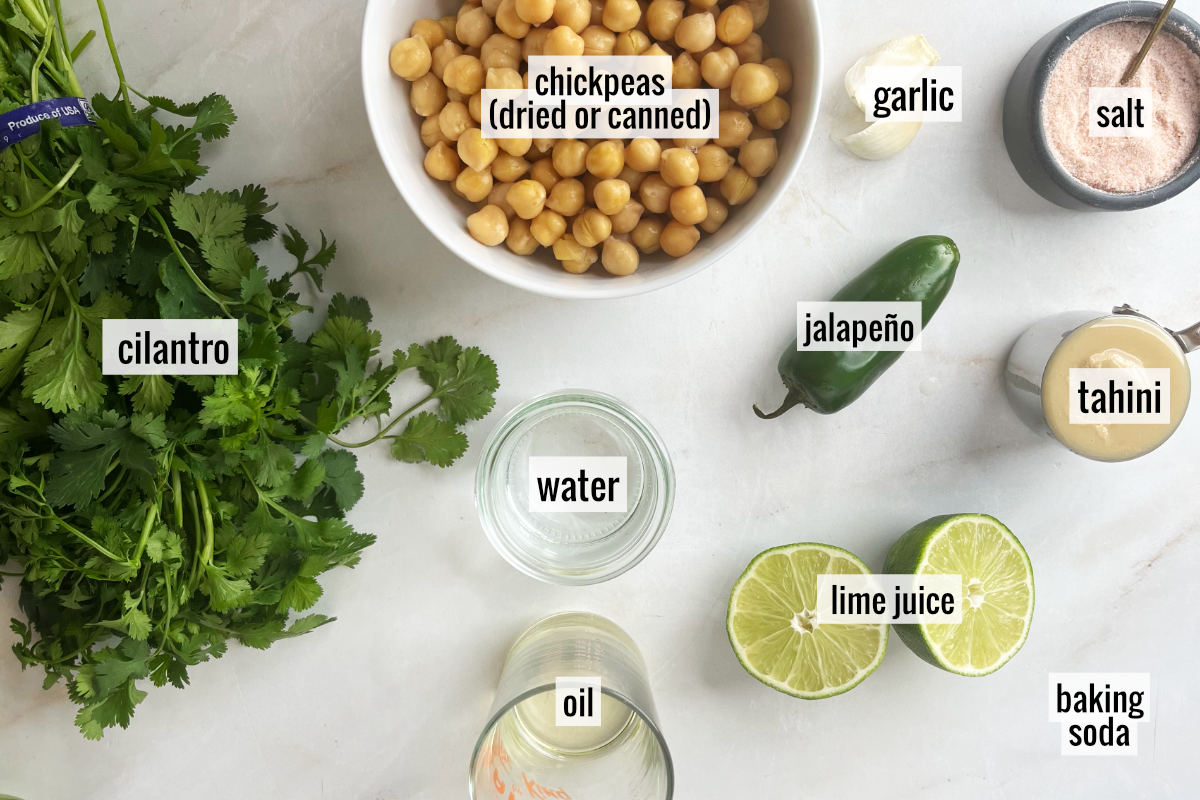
x,y
1098,59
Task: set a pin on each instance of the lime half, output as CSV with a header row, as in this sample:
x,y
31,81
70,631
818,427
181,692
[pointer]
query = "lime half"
x,y
775,633
997,591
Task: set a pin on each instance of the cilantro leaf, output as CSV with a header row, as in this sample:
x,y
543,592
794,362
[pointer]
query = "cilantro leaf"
x,y
427,438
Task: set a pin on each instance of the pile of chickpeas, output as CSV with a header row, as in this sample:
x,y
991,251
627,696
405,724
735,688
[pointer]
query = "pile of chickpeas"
x,y
596,200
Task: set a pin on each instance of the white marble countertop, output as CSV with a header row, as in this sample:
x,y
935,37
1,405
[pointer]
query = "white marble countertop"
x,y
387,702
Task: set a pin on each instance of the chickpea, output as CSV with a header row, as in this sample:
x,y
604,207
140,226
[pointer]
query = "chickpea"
x,y
520,239
611,196
499,198
714,162
606,160
570,157
473,28
753,85
655,194
488,225
696,32
717,68
548,227
677,239
410,58
567,197
750,51
733,128
464,74
476,151
632,177
474,185
773,114
691,144
543,172
760,133
535,43
759,9
679,167
625,220
783,73
622,15
597,12
591,228
574,257
687,205
735,25
503,78
758,156
508,168
454,120
704,5
685,73
718,212
442,163
448,24
500,51
428,95
631,43
442,55
509,21
490,6
516,147
430,30
663,17
563,41
475,107
542,146
598,41
738,186
431,132
655,50
648,235
643,154
527,198
619,257
573,14
535,12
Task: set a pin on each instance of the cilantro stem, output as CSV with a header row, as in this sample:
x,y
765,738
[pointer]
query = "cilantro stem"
x,y
66,58
384,430
151,517
36,71
81,46
201,285
206,556
34,15
48,196
116,59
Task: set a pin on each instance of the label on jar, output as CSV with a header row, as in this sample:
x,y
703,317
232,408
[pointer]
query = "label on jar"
x,y
169,347
1120,111
874,326
1120,396
1099,712
914,94
578,484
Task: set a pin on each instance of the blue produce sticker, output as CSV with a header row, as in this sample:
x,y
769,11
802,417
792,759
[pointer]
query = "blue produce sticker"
x,y
24,122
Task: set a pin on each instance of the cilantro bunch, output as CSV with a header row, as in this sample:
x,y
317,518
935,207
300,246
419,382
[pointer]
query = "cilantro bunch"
x,y
153,519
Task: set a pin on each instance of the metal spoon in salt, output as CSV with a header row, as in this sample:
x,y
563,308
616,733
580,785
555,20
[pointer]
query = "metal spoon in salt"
x,y
1136,64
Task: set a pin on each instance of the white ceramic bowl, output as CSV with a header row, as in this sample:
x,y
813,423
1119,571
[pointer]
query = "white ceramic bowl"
x,y
793,32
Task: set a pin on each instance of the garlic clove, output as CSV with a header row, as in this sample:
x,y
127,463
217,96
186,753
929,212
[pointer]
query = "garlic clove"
x,y
905,51
881,140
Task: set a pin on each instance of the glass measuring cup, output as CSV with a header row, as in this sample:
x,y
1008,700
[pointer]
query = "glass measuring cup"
x,y
522,754
1037,376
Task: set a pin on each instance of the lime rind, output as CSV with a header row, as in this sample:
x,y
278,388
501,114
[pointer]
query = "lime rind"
x,y
930,640
860,648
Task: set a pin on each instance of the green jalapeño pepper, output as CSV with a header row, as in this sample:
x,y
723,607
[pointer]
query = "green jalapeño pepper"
x,y
921,269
